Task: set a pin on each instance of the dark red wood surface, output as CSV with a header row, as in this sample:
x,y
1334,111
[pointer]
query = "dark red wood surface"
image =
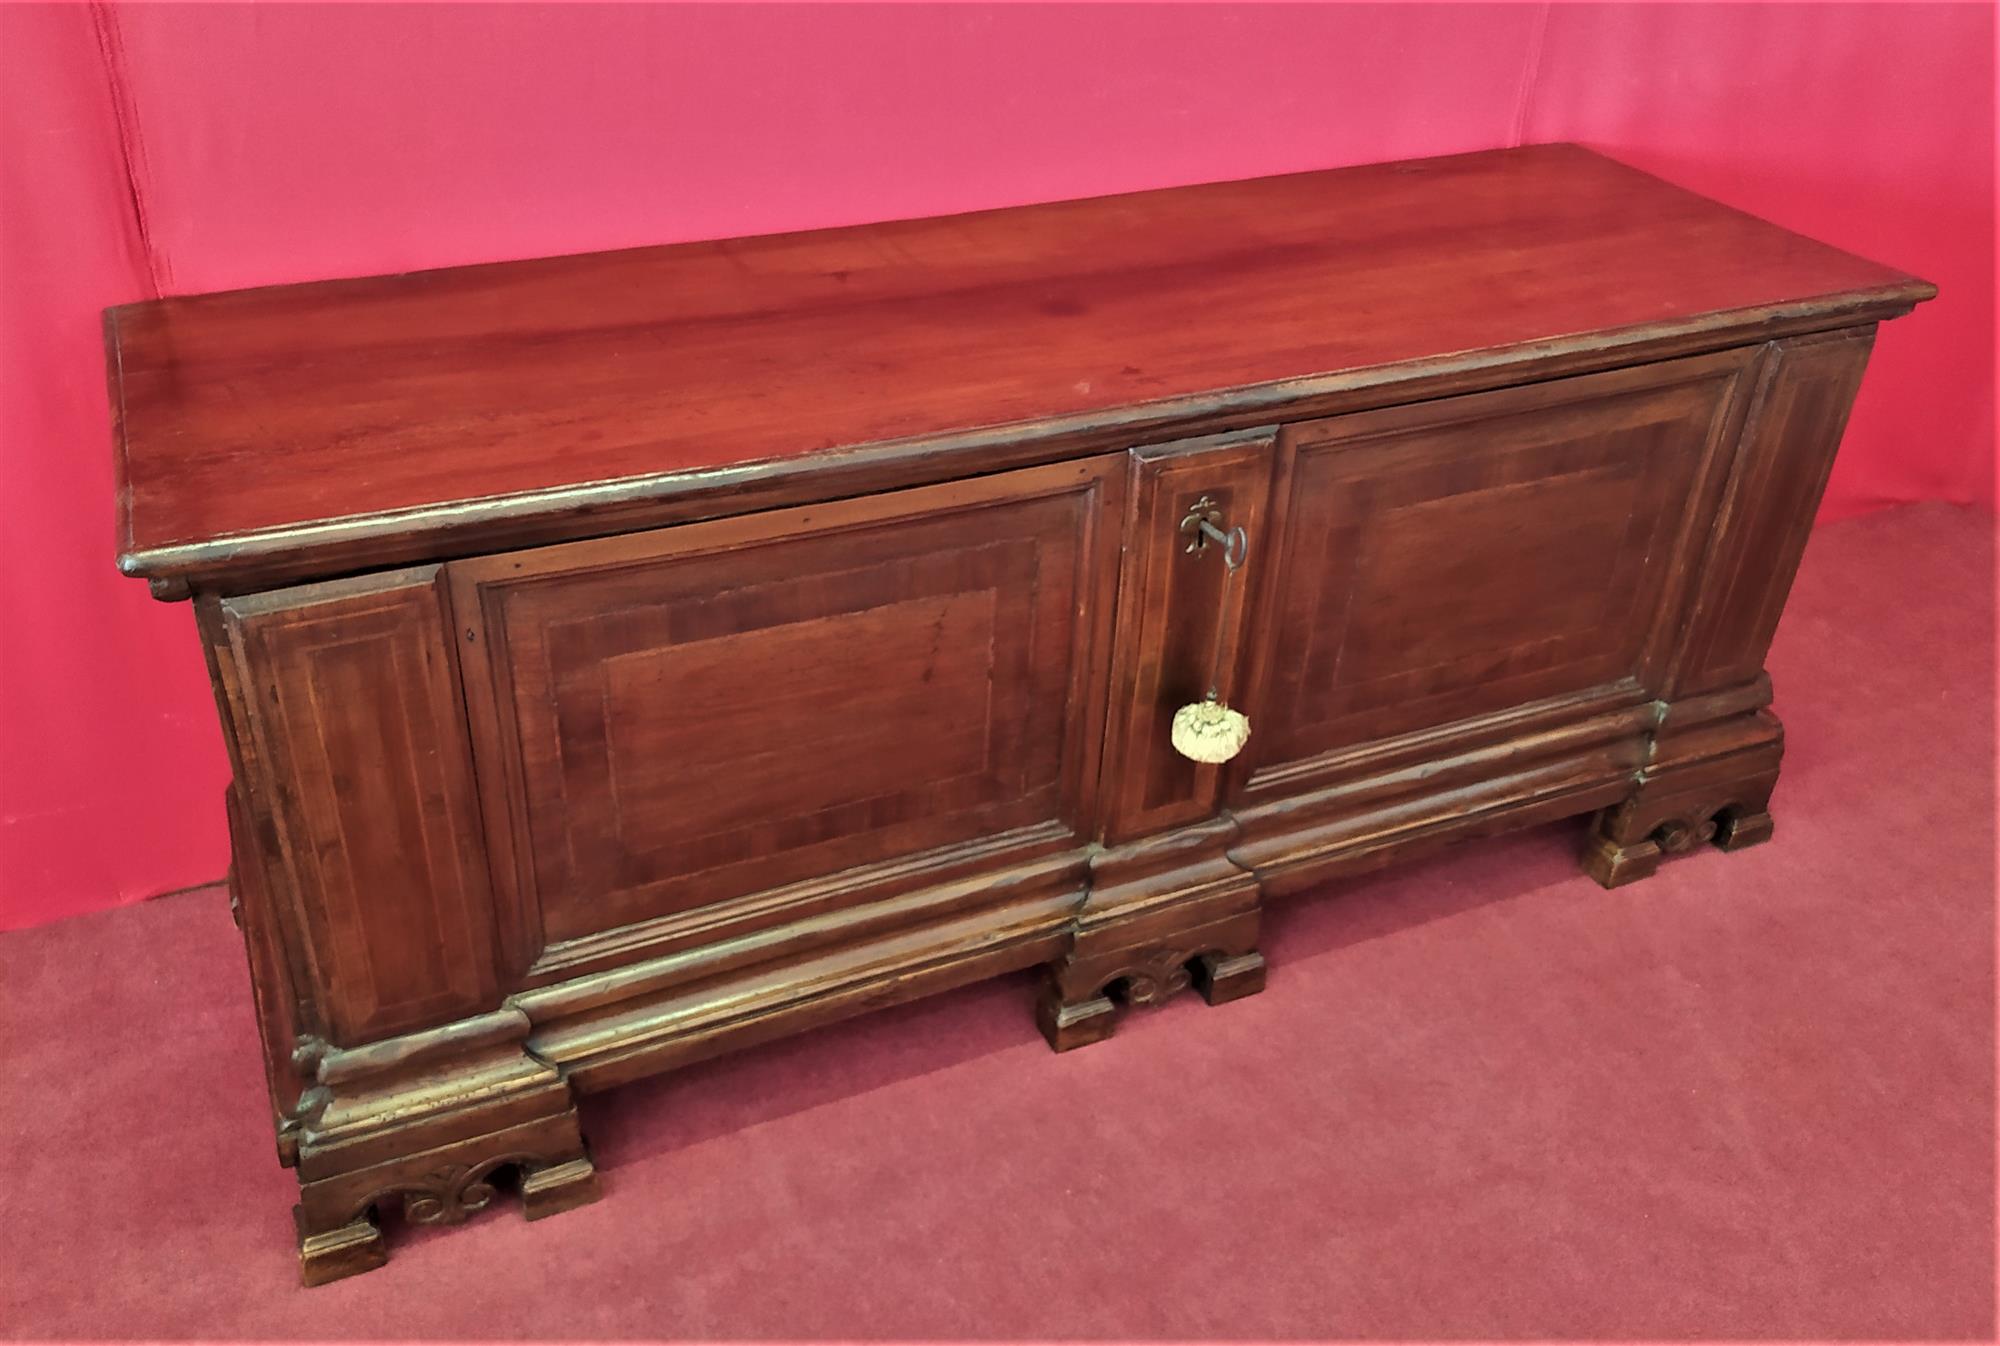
x,y
267,409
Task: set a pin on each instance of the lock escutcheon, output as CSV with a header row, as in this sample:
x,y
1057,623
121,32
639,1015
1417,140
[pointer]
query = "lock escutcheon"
x,y
1204,524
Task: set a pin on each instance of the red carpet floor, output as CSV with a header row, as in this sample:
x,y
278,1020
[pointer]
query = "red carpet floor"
x,y
1753,1097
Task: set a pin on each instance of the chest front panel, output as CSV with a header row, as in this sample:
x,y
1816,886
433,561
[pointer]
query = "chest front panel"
x,y
685,718
1455,558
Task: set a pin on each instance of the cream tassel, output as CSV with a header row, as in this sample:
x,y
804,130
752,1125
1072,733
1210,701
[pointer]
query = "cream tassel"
x,y
1208,731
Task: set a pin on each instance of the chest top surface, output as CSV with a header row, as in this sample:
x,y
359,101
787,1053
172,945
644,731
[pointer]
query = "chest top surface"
x,y
432,404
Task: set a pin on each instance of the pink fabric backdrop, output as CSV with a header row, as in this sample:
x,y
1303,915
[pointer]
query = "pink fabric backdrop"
x,y
150,149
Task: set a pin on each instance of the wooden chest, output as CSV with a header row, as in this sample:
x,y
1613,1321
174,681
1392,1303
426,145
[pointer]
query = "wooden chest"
x,y
631,656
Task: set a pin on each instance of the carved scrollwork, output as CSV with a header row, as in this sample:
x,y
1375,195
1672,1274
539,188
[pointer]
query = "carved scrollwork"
x,y
1629,841
1677,836
1159,975
447,1194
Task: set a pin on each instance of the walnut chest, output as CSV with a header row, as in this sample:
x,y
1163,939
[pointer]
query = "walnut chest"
x,y
631,656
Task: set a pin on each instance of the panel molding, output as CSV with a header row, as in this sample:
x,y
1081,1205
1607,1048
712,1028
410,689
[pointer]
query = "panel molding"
x,y
1515,723
776,921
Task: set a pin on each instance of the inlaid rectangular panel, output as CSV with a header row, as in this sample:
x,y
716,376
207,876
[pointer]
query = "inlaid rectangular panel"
x,y
352,697
1455,558
686,717
1181,622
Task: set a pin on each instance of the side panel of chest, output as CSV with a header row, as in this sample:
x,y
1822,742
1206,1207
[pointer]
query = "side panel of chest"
x,y
690,734
352,739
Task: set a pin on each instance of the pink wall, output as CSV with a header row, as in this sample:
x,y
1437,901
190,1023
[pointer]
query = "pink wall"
x,y
277,143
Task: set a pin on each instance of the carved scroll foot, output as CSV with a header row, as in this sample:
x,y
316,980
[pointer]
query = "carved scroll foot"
x,y
346,1250
1627,843
1707,787
1079,1002
1077,1006
1668,826
338,1216
435,1124
1163,914
1715,763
